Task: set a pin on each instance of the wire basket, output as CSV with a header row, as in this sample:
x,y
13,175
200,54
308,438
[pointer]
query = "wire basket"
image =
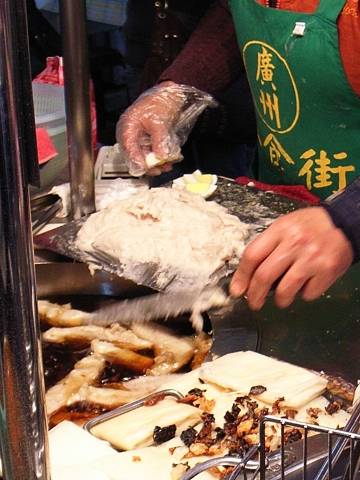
x,y
49,110
49,106
322,453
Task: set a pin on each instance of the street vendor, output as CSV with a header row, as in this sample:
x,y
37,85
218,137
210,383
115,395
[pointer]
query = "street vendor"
x,y
303,69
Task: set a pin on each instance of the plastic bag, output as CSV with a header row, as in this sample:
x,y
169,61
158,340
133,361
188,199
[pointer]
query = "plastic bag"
x,y
170,109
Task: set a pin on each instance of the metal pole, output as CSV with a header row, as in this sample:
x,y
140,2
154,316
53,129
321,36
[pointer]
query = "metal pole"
x,y
23,425
77,102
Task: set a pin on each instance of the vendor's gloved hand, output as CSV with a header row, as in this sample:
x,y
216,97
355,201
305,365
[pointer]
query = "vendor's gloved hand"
x,y
158,123
304,248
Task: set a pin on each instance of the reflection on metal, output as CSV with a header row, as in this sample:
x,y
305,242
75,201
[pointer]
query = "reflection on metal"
x,y
234,329
323,335
77,103
23,426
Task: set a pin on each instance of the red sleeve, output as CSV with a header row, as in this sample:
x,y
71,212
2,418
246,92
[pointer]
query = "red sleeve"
x,y
211,59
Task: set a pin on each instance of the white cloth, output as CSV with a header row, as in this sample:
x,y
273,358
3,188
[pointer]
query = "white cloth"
x,y
106,191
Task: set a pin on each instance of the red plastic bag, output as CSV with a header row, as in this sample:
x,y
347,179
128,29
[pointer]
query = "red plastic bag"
x,y
54,74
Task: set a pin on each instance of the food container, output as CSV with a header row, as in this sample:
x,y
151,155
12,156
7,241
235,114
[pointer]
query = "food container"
x,y
49,107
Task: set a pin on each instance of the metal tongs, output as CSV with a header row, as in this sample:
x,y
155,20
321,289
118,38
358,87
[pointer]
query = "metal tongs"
x,y
226,460
43,210
128,407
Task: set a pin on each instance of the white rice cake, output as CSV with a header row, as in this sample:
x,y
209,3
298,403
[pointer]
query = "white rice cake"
x,y
134,429
240,371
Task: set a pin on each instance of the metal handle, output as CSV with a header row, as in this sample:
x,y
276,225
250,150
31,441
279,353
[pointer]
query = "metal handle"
x,y
23,423
351,427
77,103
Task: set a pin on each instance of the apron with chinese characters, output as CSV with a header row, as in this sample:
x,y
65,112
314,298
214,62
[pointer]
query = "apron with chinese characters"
x,y
308,115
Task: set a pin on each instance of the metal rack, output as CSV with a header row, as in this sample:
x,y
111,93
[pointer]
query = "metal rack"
x,y
328,455
321,454
307,451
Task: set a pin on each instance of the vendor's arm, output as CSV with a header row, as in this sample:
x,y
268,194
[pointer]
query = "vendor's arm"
x,y
211,59
309,249
344,209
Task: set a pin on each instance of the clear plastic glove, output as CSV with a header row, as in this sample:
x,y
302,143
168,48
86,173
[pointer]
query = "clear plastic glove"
x,y
153,129
304,248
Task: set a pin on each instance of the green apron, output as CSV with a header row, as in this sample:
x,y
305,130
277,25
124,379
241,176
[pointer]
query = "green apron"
x,y
308,116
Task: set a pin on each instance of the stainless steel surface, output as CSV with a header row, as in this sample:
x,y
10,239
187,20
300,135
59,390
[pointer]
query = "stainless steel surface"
x,y
77,102
323,335
23,426
67,279
165,305
234,329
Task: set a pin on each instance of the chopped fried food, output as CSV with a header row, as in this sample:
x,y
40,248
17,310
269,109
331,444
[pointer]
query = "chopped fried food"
x,y
171,352
163,434
84,334
60,315
116,355
85,371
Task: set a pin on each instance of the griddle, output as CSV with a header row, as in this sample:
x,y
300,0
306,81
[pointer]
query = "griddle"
x,y
323,335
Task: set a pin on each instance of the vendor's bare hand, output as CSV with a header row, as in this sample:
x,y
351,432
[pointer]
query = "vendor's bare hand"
x,y
304,247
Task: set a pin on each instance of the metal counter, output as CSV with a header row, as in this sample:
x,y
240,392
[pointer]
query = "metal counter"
x,y
323,335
